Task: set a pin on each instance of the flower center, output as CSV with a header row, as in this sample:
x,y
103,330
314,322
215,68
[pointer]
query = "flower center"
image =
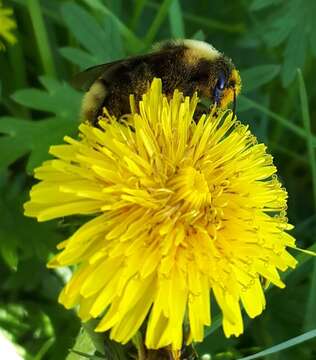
x,y
191,186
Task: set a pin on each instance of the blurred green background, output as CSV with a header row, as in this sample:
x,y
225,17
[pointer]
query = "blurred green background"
x,y
268,41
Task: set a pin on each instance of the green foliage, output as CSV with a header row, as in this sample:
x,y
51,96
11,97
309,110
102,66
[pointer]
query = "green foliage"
x,y
105,32
254,77
290,23
35,137
267,39
283,346
83,345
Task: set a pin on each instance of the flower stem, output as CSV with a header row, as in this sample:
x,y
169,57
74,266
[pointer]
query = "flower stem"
x,y
138,342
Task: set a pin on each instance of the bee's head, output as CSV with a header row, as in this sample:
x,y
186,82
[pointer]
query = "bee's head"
x,y
212,74
226,88
226,84
217,80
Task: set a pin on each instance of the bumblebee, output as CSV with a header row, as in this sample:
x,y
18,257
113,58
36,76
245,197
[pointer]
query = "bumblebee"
x,y
187,65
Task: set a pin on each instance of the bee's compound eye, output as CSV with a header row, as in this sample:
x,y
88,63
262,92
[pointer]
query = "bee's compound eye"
x,y
219,87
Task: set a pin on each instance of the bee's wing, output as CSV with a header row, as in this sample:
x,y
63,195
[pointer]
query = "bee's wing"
x,y
84,79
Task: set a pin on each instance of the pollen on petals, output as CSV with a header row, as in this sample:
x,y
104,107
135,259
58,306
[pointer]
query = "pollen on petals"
x,y
182,209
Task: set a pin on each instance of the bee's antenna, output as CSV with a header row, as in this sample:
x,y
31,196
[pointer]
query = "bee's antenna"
x,y
234,103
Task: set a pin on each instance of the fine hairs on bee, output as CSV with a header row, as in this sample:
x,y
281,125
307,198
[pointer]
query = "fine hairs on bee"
x,y
187,65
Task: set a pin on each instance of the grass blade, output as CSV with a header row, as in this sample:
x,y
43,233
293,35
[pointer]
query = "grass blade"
x,y
308,131
157,22
176,20
41,37
207,22
283,346
138,10
301,259
291,154
283,121
216,323
310,315
44,349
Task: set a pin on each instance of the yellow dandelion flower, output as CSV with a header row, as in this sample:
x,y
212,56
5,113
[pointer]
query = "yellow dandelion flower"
x,y
181,210
7,24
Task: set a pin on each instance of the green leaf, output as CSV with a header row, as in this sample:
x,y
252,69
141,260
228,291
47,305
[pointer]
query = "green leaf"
x,y
93,38
277,28
83,344
262,4
11,148
96,338
133,43
21,237
8,249
89,344
257,76
115,44
313,39
59,98
310,25
31,137
176,20
278,33
283,346
11,316
102,41
294,54
35,137
78,57
291,22
199,35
